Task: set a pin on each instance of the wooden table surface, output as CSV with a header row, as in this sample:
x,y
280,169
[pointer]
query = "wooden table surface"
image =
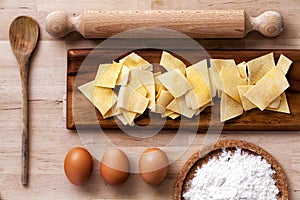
x,y
50,140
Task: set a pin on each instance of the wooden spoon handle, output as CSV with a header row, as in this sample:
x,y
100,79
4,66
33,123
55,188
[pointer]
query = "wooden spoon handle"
x,y
195,23
25,119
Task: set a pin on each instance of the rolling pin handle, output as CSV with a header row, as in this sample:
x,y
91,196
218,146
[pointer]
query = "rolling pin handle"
x,y
269,23
59,24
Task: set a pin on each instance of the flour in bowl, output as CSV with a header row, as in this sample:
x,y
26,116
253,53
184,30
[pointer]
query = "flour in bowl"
x,y
234,175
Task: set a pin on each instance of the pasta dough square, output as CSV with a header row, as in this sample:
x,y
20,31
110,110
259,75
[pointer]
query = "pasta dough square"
x,y
147,79
242,89
88,90
215,70
135,61
123,76
175,82
258,67
131,101
201,93
242,68
273,84
283,107
170,62
104,99
284,63
229,108
107,75
178,105
231,78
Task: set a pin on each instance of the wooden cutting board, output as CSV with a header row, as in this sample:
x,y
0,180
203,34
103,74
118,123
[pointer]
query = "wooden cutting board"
x,y
81,111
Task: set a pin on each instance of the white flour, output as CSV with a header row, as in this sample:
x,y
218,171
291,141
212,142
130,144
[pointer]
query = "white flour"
x,y
234,176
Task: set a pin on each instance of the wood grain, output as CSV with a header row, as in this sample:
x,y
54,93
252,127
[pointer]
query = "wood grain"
x,y
81,70
50,140
194,23
23,35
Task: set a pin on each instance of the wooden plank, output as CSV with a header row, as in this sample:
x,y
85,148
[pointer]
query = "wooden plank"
x,y
81,70
51,141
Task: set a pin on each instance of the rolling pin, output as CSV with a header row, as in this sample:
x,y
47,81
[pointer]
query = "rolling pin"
x,y
194,23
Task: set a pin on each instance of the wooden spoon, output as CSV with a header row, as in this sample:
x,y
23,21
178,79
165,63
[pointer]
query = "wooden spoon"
x,y
23,36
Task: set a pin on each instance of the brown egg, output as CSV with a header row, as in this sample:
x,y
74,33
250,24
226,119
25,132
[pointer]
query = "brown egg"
x,y
78,166
153,166
114,167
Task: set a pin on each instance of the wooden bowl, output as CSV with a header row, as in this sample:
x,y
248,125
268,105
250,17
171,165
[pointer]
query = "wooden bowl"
x,y
203,156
